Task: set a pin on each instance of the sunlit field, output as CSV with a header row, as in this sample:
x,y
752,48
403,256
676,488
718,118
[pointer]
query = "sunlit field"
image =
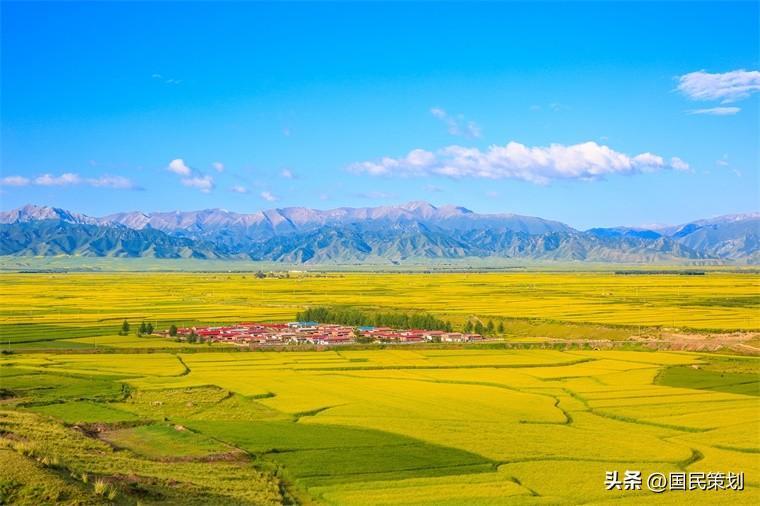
x,y
154,421
37,308
376,427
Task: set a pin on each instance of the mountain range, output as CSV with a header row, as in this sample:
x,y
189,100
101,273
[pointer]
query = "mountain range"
x,y
416,230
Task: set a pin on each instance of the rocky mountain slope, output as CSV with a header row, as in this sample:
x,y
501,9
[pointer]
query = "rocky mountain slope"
x,y
416,230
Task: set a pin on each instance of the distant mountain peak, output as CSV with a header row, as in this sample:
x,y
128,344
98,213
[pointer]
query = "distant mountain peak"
x,y
415,229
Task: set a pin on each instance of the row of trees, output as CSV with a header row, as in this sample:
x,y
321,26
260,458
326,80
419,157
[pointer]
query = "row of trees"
x,y
142,330
146,328
357,317
487,329
426,321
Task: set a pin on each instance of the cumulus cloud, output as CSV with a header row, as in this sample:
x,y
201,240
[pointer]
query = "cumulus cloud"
x,y
457,125
64,179
193,179
716,111
678,164
268,196
15,181
203,183
71,179
725,87
179,167
541,164
239,189
287,174
116,182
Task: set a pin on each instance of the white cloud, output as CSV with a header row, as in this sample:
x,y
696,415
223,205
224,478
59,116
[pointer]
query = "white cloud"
x,y
165,80
178,167
116,182
70,179
218,166
203,183
268,196
723,161
287,174
417,162
239,189
678,164
14,181
542,164
457,125
716,111
432,188
725,87
67,178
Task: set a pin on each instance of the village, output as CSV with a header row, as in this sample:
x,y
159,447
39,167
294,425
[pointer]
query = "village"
x,y
313,333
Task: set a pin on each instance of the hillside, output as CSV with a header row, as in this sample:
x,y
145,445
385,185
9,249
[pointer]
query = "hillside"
x,y
386,234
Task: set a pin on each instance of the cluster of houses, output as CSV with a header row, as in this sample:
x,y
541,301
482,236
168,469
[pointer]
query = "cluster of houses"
x,y
250,333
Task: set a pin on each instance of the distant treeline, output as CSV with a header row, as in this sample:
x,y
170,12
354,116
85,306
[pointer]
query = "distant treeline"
x,y
358,318
670,273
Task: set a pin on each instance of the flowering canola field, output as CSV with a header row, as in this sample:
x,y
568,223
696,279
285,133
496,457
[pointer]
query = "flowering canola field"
x,y
81,309
423,427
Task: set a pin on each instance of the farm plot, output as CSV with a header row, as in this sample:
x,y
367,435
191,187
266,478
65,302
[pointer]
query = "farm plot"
x,y
61,309
401,426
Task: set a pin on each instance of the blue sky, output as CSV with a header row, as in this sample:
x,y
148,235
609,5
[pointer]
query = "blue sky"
x,y
363,104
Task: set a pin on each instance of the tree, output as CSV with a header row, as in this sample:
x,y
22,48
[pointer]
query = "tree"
x,y
467,329
173,330
193,337
149,328
125,328
479,328
489,327
142,330
260,275
362,339
500,328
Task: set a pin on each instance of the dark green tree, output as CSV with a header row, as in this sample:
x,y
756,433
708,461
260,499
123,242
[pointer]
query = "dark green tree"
x,y
173,330
500,328
148,328
489,327
125,328
479,328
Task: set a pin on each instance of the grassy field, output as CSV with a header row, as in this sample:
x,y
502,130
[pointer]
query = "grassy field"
x,y
80,310
375,426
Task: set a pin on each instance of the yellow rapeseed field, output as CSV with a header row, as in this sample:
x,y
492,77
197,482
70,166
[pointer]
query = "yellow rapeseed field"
x,y
81,305
550,422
